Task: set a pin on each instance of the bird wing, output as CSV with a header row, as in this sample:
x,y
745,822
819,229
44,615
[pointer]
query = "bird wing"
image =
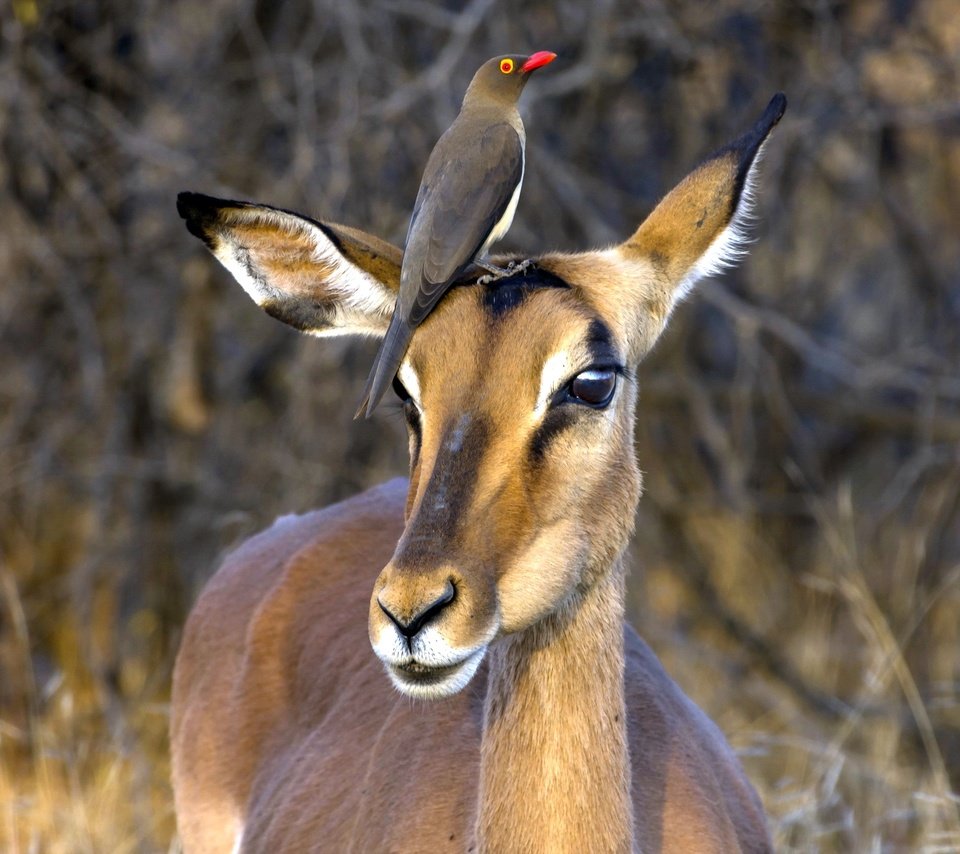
x,y
466,189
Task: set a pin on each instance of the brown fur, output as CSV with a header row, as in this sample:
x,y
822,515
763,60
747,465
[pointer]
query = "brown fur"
x,y
379,258
284,721
570,736
701,207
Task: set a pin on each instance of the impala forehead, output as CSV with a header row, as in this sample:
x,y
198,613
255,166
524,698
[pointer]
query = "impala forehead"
x,y
512,347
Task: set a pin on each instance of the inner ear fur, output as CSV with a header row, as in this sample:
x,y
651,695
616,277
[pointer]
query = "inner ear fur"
x,y
321,278
700,227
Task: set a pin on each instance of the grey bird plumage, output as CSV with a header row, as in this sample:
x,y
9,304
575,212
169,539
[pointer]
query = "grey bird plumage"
x,y
467,198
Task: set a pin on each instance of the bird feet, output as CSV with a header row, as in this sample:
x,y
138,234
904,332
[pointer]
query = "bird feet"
x,y
495,273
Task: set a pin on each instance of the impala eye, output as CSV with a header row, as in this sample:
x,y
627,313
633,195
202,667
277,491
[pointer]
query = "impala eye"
x,y
593,387
400,390
410,411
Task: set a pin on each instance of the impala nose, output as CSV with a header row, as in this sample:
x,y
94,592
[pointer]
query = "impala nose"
x,y
410,623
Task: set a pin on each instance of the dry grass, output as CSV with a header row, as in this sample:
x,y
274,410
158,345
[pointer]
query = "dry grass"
x,y
846,749
798,549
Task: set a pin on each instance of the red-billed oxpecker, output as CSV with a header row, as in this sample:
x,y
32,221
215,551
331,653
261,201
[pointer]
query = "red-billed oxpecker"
x,y
467,199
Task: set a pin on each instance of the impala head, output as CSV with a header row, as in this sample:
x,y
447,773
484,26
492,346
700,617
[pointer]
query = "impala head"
x,y
518,397
519,407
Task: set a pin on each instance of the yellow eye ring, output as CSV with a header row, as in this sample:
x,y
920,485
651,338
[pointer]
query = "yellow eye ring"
x,y
506,66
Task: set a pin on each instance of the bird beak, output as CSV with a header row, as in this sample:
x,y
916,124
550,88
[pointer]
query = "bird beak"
x,y
538,59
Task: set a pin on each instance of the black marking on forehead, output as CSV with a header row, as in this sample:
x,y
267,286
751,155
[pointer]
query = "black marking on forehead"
x,y
447,495
499,299
506,294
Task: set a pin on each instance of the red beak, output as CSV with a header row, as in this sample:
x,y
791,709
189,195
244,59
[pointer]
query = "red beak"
x,y
538,59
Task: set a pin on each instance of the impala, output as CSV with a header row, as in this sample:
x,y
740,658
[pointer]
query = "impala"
x,y
506,706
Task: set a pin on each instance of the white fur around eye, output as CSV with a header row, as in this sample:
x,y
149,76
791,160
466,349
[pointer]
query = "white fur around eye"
x,y
555,371
410,382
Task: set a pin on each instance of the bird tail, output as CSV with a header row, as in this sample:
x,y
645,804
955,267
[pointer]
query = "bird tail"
x,y
388,359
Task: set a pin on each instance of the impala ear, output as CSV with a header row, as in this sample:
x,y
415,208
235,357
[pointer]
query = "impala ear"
x,y
700,227
320,278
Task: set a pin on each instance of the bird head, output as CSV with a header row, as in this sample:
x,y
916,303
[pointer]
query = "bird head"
x,y
504,77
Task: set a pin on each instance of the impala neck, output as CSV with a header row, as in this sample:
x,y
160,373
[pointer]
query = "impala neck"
x,y
555,770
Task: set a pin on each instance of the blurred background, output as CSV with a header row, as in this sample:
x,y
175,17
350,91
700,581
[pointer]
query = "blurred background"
x,y
797,556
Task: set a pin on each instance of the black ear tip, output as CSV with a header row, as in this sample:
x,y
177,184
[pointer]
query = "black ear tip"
x,y
200,213
195,205
185,204
771,115
776,108
749,144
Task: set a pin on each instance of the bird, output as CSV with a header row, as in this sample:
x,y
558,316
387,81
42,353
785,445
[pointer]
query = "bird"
x,y
467,198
